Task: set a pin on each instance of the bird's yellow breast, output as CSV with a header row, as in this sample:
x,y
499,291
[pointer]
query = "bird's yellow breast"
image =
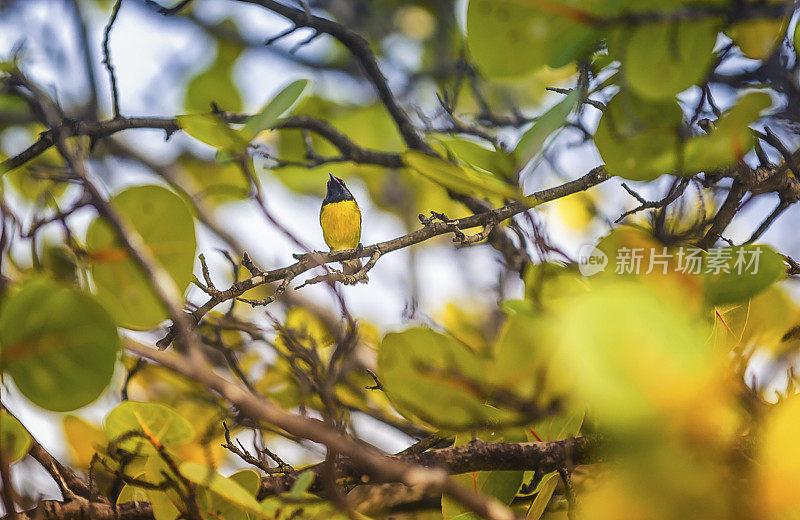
x,y
341,224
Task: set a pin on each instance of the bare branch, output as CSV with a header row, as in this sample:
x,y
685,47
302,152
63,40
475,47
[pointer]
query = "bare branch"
x,y
107,58
311,260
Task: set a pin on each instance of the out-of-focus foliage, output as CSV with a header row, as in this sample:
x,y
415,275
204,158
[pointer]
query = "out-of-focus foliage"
x,y
120,283
59,345
15,439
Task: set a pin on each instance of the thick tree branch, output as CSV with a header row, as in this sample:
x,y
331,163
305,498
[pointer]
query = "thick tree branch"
x,y
371,461
80,509
477,455
723,217
97,130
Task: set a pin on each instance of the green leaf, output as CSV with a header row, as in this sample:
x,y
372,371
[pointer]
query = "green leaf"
x,y
680,53
547,486
225,488
432,376
214,181
513,37
796,37
478,157
14,438
533,140
637,139
739,273
519,359
153,420
302,484
757,39
248,479
58,344
132,493
166,225
462,180
629,329
34,188
213,131
502,485
215,84
731,138
272,111
167,504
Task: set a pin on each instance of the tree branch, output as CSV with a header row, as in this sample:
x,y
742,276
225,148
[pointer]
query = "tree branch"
x,y
361,50
97,130
107,58
370,462
431,229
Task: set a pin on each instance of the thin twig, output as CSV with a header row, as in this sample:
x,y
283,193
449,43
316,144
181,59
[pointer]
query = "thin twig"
x,y
107,58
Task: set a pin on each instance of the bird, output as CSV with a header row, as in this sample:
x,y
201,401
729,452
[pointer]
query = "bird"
x,y
340,219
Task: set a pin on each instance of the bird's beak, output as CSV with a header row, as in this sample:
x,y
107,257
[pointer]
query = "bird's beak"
x,y
331,176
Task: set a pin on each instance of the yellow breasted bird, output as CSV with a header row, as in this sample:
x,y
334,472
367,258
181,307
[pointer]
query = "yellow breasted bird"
x,y
340,218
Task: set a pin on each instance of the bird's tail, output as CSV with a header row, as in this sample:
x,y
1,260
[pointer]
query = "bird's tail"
x,y
352,267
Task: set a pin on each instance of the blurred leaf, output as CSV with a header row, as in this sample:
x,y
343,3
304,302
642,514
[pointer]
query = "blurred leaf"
x,y
60,261
227,489
304,327
83,438
467,322
167,505
131,493
520,362
796,37
213,131
249,479
58,344
681,53
638,354
741,272
213,181
154,421
758,39
32,183
166,225
637,139
768,320
431,375
275,108
494,161
532,142
778,465
462,180
510,38
215,84
14,438
731,138
302,484
577,211
14,109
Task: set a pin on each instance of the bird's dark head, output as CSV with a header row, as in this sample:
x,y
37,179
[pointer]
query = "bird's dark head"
x,y
337,190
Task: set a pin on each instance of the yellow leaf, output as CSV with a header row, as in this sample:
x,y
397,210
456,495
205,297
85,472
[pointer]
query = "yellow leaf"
x,y
779,458
83,438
